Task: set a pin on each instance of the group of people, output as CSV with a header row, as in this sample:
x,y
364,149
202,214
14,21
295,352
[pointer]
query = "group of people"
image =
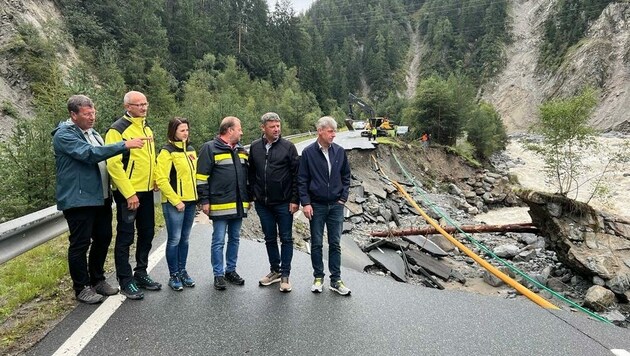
x,y
224,179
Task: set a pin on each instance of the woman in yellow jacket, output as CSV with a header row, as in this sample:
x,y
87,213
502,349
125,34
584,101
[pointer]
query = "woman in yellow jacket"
x,y
175,176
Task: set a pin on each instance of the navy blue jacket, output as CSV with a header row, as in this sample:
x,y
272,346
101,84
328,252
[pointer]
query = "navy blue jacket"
x,y
78,176
314,183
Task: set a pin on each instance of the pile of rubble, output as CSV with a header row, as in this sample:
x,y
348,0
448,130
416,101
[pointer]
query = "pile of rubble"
x,y
432,260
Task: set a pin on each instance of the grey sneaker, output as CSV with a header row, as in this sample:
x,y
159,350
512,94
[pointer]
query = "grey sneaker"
x,y
340,288
89,296
104,288
285,285
271,278
318,285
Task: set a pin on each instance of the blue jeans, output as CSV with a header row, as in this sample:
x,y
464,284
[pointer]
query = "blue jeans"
x,y
274,220
178,226
219,228
331,216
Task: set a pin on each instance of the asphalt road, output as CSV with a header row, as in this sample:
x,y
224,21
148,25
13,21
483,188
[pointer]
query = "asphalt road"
x,y
347,139
381,317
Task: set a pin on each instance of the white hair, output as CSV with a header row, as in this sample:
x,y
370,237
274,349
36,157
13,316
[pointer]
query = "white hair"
x,y
326,121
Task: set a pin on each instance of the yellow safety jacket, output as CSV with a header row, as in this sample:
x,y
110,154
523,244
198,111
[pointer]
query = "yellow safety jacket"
x,y
176,173
132,171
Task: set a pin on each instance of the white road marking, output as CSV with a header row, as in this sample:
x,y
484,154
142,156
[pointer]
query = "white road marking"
x,y
620,352
84,334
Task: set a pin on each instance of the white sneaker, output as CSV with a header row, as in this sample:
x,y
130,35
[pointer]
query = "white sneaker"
x,y
340,288
318,285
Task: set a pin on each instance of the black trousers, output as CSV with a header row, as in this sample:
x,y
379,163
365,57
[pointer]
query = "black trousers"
x,y
145,224
90,229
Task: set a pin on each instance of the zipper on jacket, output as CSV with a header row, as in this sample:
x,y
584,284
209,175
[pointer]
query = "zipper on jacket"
x,y
133,164
192,173
265,173
149,149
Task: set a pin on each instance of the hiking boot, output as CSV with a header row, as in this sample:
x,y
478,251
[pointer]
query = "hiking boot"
x,y
219,283
285,285
147,283
271,278
234,278
186,280
104,288
318,285
175,282
131,291
89,296
340,288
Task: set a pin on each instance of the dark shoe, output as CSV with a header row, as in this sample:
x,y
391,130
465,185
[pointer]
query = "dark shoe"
x,y
147,283
104,288
131,291
234,278
89,296
175,282
219,283
186,280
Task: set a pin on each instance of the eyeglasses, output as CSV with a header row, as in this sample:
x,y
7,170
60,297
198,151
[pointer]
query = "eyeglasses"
x,y
141,105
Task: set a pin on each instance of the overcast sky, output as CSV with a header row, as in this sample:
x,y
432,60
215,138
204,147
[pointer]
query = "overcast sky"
x,y
298,5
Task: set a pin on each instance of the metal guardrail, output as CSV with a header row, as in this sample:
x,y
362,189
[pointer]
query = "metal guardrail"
x,y
29,231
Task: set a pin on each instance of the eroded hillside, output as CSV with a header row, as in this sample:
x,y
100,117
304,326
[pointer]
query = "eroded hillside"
x,y
600,60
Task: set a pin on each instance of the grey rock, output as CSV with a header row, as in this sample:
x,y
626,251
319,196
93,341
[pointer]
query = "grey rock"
x,y
614,315
528,238
506,251
347,227
491,279
619,284
598,281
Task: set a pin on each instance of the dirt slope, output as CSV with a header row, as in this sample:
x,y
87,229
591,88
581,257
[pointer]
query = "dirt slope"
x,y
600,60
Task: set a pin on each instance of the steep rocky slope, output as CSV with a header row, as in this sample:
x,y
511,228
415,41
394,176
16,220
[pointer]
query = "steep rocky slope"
x,y
600,59
14,88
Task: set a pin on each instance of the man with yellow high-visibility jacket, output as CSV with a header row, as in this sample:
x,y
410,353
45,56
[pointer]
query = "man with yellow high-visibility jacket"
x,y
223,192
132,175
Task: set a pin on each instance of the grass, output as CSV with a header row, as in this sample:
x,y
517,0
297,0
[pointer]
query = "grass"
x,y
37,284
36,290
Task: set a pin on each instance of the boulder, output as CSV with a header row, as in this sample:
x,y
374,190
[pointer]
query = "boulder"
x,y
590,242
599,298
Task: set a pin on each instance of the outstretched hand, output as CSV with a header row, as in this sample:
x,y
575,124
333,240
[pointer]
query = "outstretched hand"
x,y
137,142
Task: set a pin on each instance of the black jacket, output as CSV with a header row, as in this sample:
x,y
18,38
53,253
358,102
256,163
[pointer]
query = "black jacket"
x,y
222,179
273,174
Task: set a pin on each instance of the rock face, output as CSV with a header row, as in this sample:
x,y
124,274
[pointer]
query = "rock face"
x,y
590,242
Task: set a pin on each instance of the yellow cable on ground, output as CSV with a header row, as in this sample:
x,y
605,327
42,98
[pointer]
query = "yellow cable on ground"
x,y
504,277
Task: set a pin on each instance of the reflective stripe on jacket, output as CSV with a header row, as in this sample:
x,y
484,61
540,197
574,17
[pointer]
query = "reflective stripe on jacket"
x,y
222,179
176,173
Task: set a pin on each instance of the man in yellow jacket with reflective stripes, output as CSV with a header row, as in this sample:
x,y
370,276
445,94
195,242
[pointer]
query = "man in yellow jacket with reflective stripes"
x,y
223,193
132,175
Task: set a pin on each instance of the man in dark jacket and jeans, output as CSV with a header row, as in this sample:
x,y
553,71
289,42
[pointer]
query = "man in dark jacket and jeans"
x,y
84,196
223,193
323,184
273,163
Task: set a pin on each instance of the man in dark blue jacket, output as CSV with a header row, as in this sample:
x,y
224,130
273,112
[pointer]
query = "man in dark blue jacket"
x,y
323,184
273,163
84,196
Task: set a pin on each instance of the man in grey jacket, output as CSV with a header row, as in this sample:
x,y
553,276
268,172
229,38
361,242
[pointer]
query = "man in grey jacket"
x,y
84,196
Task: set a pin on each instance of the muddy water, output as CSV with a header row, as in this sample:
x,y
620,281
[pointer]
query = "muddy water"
x,y
530,175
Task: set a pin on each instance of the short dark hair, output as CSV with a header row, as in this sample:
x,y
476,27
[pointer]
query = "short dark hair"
x,y
270,116
173,124
76,102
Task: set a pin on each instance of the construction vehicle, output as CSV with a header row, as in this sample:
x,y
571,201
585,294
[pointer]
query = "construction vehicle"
x,y
383,126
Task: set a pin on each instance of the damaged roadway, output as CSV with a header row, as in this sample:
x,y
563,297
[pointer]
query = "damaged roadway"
x,y
382,317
